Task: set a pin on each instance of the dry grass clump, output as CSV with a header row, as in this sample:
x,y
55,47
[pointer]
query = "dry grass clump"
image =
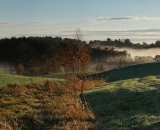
x,y
7,121
14,88
86,82
53,105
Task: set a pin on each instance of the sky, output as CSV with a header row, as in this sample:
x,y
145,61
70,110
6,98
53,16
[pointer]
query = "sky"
x,y
137,20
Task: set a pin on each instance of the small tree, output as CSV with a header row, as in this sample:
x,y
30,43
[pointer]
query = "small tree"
x,y
121,58
72,55
68,60
84,58
157,58
67,57
78,35
20,69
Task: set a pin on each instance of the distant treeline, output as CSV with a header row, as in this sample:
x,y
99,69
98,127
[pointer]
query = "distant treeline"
x,y
34,53
39,54
124,43
17,49
12,48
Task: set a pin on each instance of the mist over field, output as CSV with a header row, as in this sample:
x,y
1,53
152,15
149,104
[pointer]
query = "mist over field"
x,y
133,52
141,52
104,55
109,64
7,67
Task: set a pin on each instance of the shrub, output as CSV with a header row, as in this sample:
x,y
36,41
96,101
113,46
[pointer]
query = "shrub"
x,y
20,69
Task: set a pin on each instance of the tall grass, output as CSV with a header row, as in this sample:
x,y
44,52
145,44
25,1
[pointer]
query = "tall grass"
x,y
47,106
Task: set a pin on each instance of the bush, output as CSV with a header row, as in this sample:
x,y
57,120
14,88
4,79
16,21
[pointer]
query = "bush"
x,y
20,69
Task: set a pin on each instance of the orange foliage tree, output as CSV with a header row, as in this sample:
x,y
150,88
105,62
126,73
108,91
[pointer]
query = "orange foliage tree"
x,y
33,65
70,57
84,58
20,69
67,57
68,60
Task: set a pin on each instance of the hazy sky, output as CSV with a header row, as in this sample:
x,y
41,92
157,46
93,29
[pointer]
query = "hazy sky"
x,y
138,20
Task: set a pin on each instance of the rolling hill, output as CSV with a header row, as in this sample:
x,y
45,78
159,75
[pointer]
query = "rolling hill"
x,y
131,100
130,72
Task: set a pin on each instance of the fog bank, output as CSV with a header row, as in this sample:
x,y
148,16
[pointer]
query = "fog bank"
x,y
141,52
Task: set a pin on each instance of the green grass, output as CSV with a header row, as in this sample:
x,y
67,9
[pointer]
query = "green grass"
x,y
9,78
127,104
130,72
129,101
51,106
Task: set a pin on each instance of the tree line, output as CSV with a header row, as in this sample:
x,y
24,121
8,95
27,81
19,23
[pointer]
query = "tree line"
x,y
38,55
124,43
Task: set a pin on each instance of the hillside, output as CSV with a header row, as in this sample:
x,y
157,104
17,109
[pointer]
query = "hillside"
x,y
127,102
130,101
130,72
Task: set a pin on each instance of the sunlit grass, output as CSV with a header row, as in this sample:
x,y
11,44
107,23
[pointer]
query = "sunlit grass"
x,y
127,104
52,105
44,104
9,78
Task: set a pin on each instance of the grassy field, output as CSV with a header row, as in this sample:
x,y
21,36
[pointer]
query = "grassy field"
x,y
131,72
43,105
9,78
130,101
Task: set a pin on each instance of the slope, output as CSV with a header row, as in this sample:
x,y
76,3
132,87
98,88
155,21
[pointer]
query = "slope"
x,y
134,71
130,101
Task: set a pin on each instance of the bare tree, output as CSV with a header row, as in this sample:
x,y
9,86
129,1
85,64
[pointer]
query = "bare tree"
x,y
78,36
121,58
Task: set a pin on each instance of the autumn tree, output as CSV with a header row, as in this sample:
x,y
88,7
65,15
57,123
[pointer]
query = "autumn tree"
x,y
72,55
67,57
84,58
20,69
83,61
63,59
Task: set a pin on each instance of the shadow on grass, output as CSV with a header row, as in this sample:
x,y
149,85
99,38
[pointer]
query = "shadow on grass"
x,y
124,109
130,72
153,126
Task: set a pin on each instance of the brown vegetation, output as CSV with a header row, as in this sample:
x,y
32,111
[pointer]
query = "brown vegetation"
x,y
20,69
49,106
